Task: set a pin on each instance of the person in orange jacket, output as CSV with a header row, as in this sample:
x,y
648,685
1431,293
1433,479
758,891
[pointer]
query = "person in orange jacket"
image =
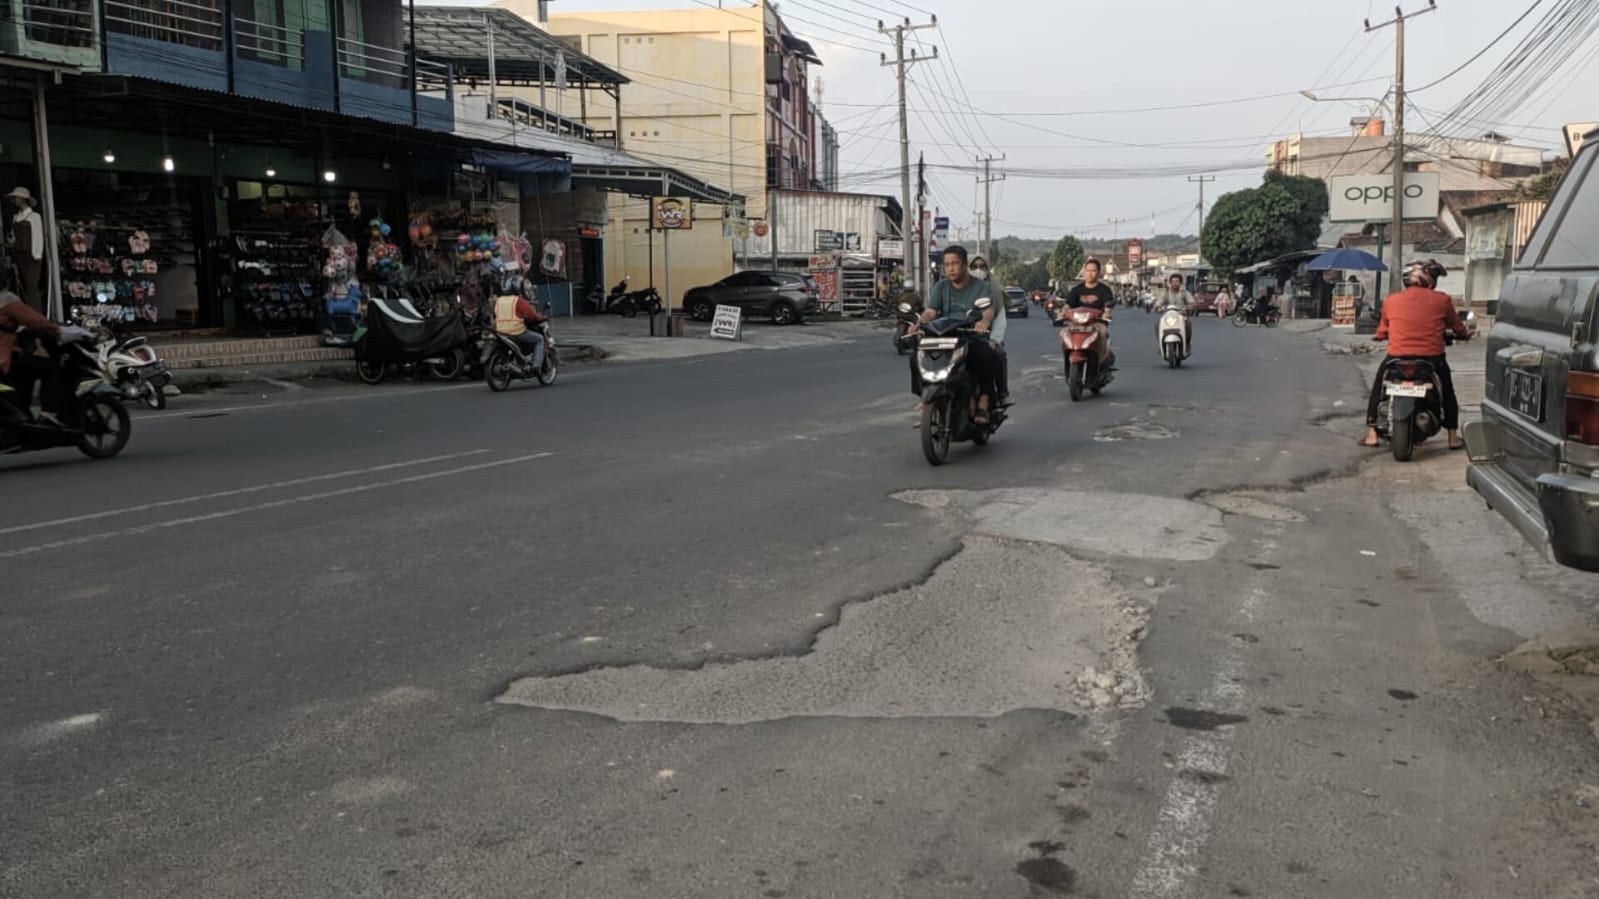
x,y
512,316
1413,323
22,370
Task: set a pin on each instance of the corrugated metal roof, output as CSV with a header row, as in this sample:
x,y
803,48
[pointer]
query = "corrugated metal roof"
x,y
523,52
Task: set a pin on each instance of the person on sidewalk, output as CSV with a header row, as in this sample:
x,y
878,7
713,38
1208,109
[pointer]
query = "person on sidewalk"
x,y
512,315
27,246
23,370
1413,322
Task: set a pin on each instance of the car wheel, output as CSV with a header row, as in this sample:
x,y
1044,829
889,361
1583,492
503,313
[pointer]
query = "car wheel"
x,y
701,310
784,313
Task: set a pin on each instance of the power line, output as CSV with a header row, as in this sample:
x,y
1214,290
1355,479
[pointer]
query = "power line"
x,y
1480,53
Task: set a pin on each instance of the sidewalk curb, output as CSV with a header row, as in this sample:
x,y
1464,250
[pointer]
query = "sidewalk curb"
x,y
206,379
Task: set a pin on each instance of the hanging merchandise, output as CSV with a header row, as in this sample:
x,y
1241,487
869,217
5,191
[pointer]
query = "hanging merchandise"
x,y
553,262
342,299
110,274
383,257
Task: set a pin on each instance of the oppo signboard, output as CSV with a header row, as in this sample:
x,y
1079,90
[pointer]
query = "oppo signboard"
x,y
1370,198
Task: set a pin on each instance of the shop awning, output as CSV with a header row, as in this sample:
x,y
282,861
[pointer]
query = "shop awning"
x,y
524,54
521,162
650,181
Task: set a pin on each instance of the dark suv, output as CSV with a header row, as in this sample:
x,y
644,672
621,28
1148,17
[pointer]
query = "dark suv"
x,y
785,297
1535,453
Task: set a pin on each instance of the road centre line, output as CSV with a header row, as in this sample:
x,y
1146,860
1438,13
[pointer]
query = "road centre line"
x,y
240,491
275,504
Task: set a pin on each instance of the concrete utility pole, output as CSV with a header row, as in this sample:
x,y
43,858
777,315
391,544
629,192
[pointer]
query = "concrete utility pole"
x,y
1202,180
919,246
1398,226
988,178
899,62
1115,228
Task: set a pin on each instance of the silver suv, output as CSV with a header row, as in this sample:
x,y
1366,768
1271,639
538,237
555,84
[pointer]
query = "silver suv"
x,y
1535,453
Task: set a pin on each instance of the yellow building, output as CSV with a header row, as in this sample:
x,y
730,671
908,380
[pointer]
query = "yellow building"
x,y
721,94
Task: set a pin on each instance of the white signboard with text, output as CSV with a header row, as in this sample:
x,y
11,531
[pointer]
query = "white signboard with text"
x,y
727,322
1370,198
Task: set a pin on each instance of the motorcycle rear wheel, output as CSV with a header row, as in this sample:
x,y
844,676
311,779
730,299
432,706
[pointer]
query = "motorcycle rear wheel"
x,y
1402,441
1240,319
552,366
371,372
1272,320
450,368
106,427
935,432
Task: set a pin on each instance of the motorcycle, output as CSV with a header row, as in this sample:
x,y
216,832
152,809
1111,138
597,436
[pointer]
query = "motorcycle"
x,y
503,360
131,365
632,303
1172,333
599,303
904,340
949,390
95,421
1412,407
396,336
1252,314
1083,371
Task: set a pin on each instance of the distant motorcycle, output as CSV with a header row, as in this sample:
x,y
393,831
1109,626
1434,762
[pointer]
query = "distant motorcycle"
x,y
1254,314
1172,333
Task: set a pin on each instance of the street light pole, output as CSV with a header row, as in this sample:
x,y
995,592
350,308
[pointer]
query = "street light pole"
x,y
1398,225
899,62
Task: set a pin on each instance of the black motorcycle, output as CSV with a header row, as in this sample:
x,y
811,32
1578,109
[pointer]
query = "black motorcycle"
x,y
398,337
504,362
95,421
908,315
1257,314
647,301
1412,407
949,390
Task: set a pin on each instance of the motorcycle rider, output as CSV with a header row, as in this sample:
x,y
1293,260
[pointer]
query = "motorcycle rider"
x,y
1413,323
1095,295
1177,295
980,271
22,370
954,297
512,315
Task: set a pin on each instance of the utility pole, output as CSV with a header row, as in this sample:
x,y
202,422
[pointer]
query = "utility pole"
x,y
1115,228
899,62
919,246
988,178
1398,226
1202,180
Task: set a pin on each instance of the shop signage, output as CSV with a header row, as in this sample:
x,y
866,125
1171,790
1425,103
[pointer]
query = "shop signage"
x,y
829,241
1343,311
941,228
586,231
852,242
1486,240
1370,198
727,322
890,248
733,222
671,214
827,283
1135,254
1575,133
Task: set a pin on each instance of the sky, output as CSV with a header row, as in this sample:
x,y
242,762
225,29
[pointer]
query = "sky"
x,y
1103,111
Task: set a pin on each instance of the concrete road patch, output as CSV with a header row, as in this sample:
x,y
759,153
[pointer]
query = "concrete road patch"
x,y
999,627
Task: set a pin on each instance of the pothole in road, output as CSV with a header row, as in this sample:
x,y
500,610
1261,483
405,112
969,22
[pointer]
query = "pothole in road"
x,y
1135,429
1253,507
1000,626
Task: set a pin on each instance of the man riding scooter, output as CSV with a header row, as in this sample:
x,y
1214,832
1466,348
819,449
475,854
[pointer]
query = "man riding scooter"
x,y
1413,322
1176,295
1093,293
955,297
512,315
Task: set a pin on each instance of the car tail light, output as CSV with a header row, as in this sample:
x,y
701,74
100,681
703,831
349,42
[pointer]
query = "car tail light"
x,y
1582,407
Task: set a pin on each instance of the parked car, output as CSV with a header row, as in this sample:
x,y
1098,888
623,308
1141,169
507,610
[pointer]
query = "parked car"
x,y
785,297
1535,452
1205,293
1015,302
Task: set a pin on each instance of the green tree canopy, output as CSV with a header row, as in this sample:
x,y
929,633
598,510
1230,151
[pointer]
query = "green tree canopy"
x,y
1066,260
1026,275
1282,215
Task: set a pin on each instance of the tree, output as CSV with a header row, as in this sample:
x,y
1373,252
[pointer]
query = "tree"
x,y
1026,275
1066,260
1283,215
1543,186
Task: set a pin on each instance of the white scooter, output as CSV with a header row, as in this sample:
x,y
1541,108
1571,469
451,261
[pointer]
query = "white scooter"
x,y
131,365
1172,332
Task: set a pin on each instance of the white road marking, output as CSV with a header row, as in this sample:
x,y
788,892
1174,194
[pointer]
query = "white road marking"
x,y
275,504
221,494
55,730
1182,827
340,398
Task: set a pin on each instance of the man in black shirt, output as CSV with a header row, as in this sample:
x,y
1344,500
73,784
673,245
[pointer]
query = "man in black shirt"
x,y
1098,296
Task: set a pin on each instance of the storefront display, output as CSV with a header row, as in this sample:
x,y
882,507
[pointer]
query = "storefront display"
x,y
128,249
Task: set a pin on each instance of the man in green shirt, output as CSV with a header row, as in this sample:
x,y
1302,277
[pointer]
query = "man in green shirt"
x,y
955,297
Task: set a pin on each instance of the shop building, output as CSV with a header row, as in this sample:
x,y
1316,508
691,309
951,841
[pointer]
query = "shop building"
x,y
201,159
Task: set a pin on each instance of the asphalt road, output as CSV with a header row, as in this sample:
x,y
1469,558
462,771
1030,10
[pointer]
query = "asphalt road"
x,y
712,627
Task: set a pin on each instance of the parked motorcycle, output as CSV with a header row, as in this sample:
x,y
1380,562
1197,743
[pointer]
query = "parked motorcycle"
x,y
1083,370
131,365
503,360
1250,314
95,421
904,340
633,302
599,303
949,390
397,337
1172,335
1412,408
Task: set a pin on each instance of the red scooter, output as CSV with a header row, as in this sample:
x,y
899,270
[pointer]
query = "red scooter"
x,y
1078,344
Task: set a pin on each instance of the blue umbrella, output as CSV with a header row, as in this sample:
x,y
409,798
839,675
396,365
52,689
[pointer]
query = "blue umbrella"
x,y
1346,260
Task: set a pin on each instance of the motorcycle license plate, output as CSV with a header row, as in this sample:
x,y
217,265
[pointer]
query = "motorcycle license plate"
x,y
1080,329
939,343
1417,390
